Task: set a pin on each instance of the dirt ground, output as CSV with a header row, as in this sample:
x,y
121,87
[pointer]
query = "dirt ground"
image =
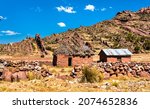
x,y
49,58
141,57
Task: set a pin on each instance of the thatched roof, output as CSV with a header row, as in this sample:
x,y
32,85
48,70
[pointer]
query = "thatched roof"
x,y
73,45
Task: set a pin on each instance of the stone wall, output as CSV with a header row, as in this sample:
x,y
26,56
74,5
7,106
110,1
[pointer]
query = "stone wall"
x,y
132,69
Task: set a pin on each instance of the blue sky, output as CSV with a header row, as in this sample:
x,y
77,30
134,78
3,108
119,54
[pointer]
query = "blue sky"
x,y
20,18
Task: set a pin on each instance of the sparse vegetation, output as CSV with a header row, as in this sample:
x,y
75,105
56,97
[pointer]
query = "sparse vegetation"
x,y
137,49
115,83
147,45
49,48
91,75
32,75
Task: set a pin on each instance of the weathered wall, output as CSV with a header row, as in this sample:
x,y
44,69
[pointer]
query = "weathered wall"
x,y
62,60
81,60
111,59
126,59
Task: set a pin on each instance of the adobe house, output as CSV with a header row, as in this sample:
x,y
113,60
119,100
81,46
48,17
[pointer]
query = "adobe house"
x,y
73,51
115,55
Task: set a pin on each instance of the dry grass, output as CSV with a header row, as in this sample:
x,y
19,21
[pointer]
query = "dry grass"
x,y
54,84
141,57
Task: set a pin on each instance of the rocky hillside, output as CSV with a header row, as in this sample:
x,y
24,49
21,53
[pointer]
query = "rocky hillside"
x,y
126,30
24,47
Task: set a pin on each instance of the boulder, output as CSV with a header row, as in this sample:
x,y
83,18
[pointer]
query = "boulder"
x,y
129,74
144,74
7,75
22,75
106,75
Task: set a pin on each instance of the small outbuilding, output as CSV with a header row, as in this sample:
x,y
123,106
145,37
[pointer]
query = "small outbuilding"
x,y
115,55
73,51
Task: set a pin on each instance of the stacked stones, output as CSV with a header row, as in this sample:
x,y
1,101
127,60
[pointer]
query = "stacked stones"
x,y
21,69
129,69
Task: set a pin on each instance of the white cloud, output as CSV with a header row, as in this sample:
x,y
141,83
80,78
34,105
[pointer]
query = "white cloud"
x,y
110,7
61,24
2,18
103,9
10,33
66,9
90,7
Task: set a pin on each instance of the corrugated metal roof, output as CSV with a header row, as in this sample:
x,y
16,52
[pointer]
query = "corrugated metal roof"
x,y
117,52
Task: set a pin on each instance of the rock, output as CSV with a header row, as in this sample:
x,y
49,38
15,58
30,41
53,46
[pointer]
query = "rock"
x,y
113,76
108,70
144,74
22,75
133,72
120,75
129,74
19,76
77,68
38,68
15,77
7,75
2,66
106,75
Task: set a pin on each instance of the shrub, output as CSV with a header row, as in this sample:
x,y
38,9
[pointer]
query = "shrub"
x,y
91,75
137,49
31,75
33,46
49,48
146,45
116,84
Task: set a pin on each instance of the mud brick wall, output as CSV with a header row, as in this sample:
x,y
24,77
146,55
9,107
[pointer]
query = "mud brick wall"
x,y
111,59
81,60
62,60
126,59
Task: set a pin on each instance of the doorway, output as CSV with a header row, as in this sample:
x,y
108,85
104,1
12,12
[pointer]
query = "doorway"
x,y
119,59
70,61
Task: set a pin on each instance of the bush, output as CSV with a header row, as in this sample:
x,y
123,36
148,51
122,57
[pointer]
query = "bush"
x,y
116,84
31,75
137,49
49,48
91,75
146,45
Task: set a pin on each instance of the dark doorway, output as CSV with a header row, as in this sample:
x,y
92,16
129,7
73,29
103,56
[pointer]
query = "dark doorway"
x,y
70,61
119,59
1,75
54,60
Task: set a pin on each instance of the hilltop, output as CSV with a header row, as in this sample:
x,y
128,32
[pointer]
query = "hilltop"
x,y
126,30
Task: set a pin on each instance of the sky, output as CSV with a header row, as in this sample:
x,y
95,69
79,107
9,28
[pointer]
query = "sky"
x,y
22,18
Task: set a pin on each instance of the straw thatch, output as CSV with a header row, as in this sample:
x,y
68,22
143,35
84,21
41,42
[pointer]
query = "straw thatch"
x,y
73,45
